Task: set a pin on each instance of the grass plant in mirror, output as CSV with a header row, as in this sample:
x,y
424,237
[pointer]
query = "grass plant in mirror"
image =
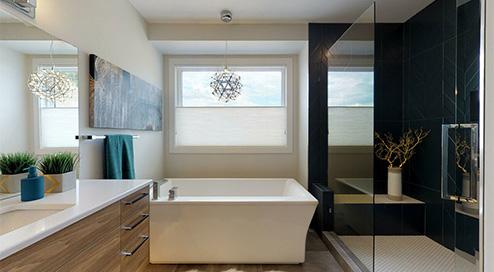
x,y
58,163
16,163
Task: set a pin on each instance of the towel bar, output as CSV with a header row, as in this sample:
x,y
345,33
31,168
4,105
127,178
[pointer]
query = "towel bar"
x,y
97,137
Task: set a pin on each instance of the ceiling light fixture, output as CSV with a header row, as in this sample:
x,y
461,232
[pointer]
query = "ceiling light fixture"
x,y
226,84
50,84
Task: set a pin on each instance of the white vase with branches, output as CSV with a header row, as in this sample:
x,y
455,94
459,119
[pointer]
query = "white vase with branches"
x,y
397,154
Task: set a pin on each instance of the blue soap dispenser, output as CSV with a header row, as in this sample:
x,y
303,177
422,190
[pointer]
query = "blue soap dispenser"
x,y
32,187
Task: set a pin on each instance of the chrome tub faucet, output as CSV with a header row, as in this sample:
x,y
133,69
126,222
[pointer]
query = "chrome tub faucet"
x,y
172,193
156,188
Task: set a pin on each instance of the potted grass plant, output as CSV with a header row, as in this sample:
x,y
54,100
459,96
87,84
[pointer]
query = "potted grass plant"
x,y
397,154
14,167
59,171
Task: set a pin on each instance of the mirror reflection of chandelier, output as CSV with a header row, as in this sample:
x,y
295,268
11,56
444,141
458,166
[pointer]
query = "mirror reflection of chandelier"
x,y
49,84
226,85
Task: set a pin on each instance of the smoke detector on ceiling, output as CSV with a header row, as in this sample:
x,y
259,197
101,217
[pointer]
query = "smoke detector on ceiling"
x,y
226,16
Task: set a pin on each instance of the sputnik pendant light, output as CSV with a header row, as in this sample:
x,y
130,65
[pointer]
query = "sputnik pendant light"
x,y
226,84
50,84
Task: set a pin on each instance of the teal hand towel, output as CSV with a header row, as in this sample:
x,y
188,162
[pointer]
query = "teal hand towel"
x,y
119,157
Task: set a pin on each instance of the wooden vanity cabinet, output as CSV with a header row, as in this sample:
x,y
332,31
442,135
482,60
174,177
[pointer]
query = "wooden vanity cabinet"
x,y
115,238
134,232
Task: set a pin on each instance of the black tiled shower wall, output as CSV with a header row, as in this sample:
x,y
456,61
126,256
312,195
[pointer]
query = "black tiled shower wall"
x,y
415,80
321,38
388,94
428,84
432,39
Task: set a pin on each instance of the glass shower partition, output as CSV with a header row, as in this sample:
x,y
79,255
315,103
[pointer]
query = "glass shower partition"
x,y
427,78
350,139
460,171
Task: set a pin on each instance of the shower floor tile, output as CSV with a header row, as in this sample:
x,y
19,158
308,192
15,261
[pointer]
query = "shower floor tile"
x,y
406,254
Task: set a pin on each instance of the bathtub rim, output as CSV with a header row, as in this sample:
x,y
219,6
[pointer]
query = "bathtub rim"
x,y
306,199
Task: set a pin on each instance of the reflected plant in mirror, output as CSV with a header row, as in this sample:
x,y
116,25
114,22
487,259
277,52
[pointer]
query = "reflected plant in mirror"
x,y
462,150
34,62
14,167
397,154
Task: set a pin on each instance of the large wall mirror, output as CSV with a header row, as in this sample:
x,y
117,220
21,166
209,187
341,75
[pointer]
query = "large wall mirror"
x,y
33,126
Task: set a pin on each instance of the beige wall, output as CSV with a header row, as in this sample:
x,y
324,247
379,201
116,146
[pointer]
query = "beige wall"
x,y
113,30
15,103
489,141
233,165
303,116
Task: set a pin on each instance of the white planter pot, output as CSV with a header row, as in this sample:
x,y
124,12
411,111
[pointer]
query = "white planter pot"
x,y
60,182
11,183
471,192
394,184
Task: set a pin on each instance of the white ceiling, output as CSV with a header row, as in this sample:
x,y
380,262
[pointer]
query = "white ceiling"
x,y
39,47
274,11
234,47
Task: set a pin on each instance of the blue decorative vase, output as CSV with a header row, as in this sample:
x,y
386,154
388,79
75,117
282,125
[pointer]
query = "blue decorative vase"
x,y
32,187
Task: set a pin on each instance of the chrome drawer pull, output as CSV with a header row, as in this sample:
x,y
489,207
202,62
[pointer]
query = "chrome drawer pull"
x,y
131,227
144,239
133,201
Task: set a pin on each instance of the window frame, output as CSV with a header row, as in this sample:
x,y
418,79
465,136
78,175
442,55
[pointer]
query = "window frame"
x,y
177,63
64,61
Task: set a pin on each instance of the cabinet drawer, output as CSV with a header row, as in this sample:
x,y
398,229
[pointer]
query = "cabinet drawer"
x,y
130,238
139,259
135,214
134,205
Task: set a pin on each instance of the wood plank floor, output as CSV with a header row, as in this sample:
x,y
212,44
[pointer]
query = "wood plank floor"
x,y
317,259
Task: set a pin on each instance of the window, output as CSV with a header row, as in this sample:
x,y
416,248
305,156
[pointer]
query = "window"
x,y
350,107
57,123
259,120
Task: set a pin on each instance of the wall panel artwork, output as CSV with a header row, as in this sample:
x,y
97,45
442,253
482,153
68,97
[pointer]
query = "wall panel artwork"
x,y
120,100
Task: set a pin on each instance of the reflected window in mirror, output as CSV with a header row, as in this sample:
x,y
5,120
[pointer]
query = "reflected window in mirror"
x,y
57,122
350,106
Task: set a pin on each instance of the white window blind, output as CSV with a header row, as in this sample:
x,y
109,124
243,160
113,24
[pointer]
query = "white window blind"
x,y
257,121
58,127
350,111
58,123
351,126
231,127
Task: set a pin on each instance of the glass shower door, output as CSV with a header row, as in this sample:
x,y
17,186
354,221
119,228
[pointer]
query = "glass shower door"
x,y
460,172
350,138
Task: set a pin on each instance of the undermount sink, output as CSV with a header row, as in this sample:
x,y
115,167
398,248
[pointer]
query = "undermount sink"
x,y
16,216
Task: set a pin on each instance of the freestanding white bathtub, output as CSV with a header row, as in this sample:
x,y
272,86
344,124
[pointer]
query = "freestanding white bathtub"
x,y
231,221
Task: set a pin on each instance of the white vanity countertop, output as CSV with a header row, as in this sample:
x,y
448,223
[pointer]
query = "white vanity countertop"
x,y
89,197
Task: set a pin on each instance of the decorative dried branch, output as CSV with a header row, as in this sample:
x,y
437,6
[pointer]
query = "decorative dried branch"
x,y
399,153
462,150
386,148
